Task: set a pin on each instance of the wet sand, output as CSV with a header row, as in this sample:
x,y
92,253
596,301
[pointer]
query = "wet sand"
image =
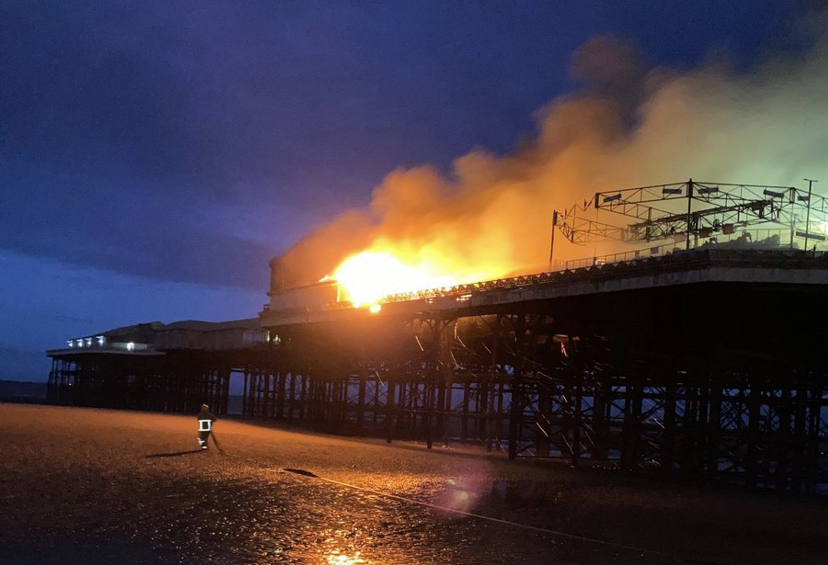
x,y
98,486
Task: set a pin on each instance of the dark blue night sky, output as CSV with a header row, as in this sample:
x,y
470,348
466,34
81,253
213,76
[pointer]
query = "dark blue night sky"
x,y
155,155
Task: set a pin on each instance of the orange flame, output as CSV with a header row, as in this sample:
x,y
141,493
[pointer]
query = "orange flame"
x,y
371,275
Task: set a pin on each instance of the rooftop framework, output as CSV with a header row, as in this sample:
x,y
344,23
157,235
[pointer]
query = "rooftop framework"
x,y
689,215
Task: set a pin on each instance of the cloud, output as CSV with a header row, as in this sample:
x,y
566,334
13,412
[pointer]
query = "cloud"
x,y
124,128
126,228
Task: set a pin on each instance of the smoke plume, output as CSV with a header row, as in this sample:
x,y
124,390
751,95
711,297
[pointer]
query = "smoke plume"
x,y
627,126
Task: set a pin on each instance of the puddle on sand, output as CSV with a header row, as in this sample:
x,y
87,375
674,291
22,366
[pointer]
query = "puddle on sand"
x,y
469,496
526,493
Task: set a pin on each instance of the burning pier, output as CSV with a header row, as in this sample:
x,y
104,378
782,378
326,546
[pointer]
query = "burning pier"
x,y
702,357
699,363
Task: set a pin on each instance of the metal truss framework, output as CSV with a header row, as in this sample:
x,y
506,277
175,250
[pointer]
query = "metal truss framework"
x,y
511,382
692,210
470,379
700,380
177,382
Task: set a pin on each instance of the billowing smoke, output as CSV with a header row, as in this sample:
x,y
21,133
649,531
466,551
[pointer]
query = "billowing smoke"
x,y
627,126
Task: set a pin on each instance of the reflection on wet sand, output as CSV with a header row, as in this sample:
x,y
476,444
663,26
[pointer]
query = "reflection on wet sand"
x,y
337,558
88,494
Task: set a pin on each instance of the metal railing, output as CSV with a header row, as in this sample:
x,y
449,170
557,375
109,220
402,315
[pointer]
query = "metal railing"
x,y
658,254
766,238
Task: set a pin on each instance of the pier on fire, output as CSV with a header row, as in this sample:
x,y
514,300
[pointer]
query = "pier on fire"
x,y
697,362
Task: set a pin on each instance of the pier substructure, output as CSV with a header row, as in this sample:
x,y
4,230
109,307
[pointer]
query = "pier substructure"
x,y
708,366
174,381
688,375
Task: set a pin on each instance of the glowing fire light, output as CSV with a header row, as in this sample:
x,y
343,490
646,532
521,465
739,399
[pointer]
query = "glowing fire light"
x,y
369,276
337,558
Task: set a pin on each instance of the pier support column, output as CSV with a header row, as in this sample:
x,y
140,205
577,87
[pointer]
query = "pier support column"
x,y
516,416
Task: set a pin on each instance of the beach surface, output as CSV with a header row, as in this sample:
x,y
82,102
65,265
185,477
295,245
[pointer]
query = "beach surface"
x,y
89,486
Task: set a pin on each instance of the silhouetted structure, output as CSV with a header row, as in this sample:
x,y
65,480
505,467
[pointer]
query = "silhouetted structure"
x,y
704,360
702,363
171,367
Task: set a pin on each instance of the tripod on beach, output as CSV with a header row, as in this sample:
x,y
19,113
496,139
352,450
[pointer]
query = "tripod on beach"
x,y
215,441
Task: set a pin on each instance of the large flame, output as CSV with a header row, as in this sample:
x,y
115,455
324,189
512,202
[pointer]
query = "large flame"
x,y
371,275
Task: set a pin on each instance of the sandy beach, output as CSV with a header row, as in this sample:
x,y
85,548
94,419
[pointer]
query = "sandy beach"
x,y
100,486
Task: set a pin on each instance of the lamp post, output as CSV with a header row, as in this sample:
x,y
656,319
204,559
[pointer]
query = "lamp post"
x,y
808,212
552,242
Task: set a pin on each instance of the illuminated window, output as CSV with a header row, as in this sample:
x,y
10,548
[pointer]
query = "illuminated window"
x,y
101,341
131,346
88,342
79,342
71,343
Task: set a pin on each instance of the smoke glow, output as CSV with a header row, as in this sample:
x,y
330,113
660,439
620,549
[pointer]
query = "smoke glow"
x,y
626,126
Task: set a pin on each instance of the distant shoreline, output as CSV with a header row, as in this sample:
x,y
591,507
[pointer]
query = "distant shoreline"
x,y
26,392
